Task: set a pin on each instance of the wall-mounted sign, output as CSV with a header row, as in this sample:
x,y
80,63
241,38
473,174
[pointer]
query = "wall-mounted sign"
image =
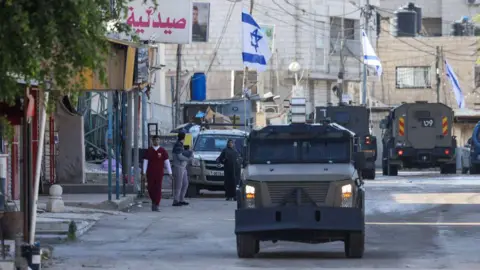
x,y
200,22
169,22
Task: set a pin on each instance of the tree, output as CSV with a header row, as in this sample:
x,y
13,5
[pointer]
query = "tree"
x,y
53,40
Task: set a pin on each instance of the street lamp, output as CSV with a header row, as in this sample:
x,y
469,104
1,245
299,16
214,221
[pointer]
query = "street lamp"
x,y
295,68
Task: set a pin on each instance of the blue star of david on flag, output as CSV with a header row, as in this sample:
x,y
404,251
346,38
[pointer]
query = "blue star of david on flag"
x,y
256,52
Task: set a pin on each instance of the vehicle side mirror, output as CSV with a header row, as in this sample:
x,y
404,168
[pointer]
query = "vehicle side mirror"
x,y
383,124
469,141
359,160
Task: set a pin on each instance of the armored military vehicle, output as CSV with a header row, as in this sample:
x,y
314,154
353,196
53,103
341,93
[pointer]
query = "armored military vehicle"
x,y
356,119
418,135
301,184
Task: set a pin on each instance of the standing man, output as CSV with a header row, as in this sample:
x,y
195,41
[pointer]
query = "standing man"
x,y
231,167
156,159
181,157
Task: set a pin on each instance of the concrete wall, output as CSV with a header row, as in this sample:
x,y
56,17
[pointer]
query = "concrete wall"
x,y
460,52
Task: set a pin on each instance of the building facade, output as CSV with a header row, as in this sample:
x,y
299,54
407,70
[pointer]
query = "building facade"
x,y
305,31
409,69
438,15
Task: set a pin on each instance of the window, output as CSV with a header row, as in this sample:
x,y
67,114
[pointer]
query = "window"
x,y
336,28
216,143
281,151
413,77
477,76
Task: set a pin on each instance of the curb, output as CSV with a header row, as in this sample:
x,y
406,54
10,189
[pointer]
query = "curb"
x,y
114,205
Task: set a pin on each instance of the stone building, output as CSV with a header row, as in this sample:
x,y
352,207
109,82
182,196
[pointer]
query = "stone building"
x,y
437,14
305,31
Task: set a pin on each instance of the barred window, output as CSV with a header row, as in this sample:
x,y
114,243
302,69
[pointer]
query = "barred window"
x,y
413,77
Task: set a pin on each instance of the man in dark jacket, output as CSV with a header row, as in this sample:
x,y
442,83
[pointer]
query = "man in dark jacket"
x,y
230,159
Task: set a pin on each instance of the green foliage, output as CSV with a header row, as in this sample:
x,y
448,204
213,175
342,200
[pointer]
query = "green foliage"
x,y
72,231
53,40
7,130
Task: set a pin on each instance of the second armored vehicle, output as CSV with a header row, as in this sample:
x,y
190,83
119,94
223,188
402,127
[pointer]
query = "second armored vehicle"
x,y
301,184
418,135
356,119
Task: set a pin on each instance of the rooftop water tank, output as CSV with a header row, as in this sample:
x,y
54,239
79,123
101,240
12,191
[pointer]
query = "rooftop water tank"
x,y
418,10
198,87
406,23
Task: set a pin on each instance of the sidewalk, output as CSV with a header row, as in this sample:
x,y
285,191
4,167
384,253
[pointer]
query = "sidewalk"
x,y
83,209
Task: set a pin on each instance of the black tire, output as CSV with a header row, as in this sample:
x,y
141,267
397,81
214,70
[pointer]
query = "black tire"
x,y
355,245
384,168
474,169
464,170
453,169
368,174
247,246
392,170
193,191
448,169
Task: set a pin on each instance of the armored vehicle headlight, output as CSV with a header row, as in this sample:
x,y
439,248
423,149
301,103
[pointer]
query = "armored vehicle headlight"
x,y
347,191
196,162
250,196
250,192
347,198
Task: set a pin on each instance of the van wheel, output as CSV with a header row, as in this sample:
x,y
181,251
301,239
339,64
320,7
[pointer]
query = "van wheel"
x,y
247,246
192,191
355,245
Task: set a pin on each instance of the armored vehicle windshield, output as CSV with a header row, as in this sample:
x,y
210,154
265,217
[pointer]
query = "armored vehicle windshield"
x,y
300,143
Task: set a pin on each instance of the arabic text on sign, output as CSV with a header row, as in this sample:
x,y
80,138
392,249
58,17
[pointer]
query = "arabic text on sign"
x,y
153,21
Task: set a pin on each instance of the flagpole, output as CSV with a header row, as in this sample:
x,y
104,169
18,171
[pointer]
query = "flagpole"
x,y
244,81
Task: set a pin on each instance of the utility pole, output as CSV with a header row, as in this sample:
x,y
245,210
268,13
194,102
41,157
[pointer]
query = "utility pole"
x,y
341,72
177,86
367,14
437,69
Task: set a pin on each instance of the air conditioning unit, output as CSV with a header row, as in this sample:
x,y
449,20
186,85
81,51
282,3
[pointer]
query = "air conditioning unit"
x,y
270,108
473,2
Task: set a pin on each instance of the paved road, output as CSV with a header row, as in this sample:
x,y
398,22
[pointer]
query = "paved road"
x,y
415,220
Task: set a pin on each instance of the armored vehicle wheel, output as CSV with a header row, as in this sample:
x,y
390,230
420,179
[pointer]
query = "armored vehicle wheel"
x,y
192,191
392,170
247,246
448,169
369,174
355,245
384,168
464,170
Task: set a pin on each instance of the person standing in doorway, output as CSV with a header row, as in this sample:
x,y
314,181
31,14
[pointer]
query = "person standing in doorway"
x,y
231,167
154,163
181,157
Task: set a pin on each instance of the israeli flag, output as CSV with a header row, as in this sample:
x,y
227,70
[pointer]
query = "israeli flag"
x,y
256,51
370,58
455,85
